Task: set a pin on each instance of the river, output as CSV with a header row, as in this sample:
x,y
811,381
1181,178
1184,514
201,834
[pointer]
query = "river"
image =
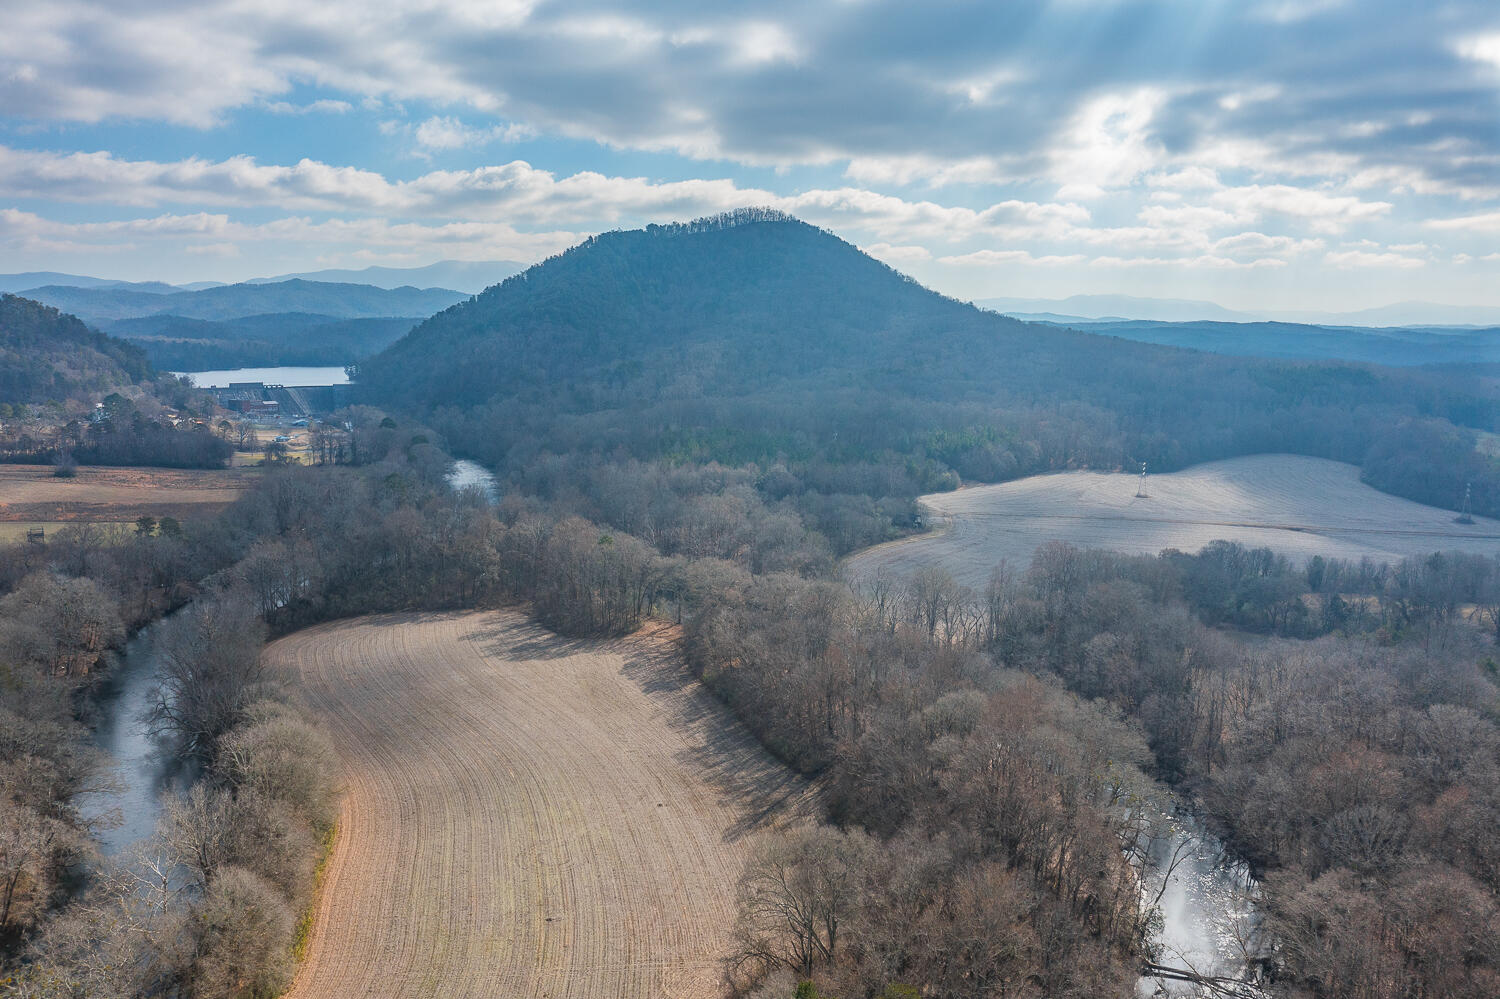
x,y
1208,920
465,473
143,770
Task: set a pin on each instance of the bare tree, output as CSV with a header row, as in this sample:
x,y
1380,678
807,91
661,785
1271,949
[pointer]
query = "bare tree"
x,y
799,892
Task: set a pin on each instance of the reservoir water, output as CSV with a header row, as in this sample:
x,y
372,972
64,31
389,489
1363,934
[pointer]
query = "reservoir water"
x,y
271,376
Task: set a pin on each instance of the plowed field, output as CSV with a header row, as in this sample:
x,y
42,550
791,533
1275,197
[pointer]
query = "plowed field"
x,y
525,816
1295,505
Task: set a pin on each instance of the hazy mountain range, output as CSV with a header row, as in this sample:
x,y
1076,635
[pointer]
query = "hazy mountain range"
x,y
105,305
1172,310
467,276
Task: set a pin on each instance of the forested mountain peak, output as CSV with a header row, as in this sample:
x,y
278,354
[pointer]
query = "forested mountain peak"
x,y
47,355
738,301
753,337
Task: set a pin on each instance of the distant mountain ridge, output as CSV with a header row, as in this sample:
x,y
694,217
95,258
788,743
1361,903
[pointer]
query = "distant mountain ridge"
x,y
176,343
14,283
1401,346
1119,308
466,276
105,305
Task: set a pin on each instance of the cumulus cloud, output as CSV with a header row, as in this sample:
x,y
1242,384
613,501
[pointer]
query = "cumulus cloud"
x,y
445,133
1347,259
1138,133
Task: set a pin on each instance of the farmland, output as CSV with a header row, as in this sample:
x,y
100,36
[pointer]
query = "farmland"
x,y
1295,505
525,815
32,494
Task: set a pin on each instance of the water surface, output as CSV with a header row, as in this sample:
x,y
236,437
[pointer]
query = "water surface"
x,y
466,473
295,377
142,769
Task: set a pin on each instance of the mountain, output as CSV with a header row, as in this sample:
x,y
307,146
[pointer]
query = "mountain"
x,y
1402,314
345,301
1116,307
1119,308
178,343
754,337
467,276
47,355
36,279
1398,346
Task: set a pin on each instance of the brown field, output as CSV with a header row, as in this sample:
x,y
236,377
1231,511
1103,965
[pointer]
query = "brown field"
x,y
31,493
525,816
1295,505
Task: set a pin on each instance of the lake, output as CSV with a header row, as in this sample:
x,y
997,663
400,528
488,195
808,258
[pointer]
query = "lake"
x,y
270,376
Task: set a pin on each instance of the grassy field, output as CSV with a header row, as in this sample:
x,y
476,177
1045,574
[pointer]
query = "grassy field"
x,y
525,816
31,494
1297,506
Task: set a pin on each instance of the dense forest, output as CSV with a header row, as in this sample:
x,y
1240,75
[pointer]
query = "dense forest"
x,y
757,338
69,394
46,355
986,754
176,343
993,761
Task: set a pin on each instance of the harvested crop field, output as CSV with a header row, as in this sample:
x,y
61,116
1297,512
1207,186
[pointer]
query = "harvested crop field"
x,y
33,493
525,816
1297,506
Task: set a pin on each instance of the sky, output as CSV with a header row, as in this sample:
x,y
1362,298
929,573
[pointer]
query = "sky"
x,y
1262,154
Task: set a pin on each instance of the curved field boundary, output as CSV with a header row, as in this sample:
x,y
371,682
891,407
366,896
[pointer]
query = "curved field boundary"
x,y
1298,506
525,816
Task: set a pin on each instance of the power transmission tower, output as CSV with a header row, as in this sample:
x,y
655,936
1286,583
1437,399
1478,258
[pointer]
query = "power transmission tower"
x,y
1140,490
1464,516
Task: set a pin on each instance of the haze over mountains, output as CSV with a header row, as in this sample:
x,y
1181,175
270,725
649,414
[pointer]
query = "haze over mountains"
x,y
338,316
467,276
283,323
1172,310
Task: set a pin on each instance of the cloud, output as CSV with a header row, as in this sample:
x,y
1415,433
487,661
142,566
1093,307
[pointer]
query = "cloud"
x,y
1483,48
1484,222
219,236
449,133
1349,259
321,106
994,258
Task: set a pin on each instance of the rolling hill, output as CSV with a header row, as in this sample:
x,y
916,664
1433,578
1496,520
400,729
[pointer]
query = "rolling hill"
x,y
754,337
47,355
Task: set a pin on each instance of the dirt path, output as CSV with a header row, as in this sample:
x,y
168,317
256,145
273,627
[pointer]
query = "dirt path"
x,y
525,816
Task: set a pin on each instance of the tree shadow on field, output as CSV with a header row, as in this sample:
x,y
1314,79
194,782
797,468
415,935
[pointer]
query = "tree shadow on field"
x,y
519,639
731,760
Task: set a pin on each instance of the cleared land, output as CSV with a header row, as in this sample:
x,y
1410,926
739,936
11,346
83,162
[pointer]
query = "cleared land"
x,y
525,816
31,493
1297,506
